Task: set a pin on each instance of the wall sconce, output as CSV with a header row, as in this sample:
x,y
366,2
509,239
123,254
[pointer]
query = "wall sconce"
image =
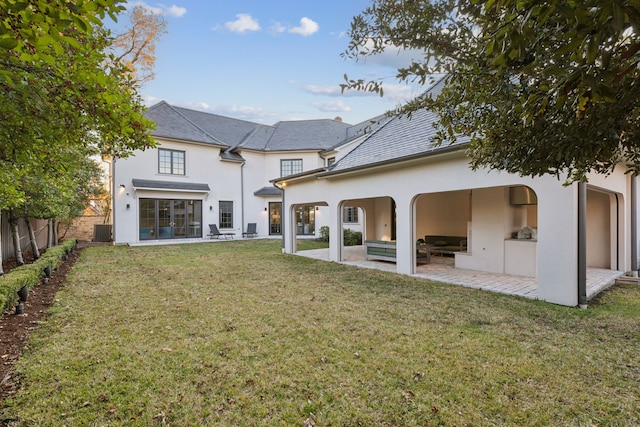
x,y
265,209
128,205
121,185
317,208
210,208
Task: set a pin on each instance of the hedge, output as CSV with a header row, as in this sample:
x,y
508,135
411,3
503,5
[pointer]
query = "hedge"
x,y
29,274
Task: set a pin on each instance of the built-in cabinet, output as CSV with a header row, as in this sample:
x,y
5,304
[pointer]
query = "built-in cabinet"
x,y
520,257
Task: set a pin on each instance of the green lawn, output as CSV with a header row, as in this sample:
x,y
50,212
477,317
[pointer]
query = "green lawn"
x,y
236,333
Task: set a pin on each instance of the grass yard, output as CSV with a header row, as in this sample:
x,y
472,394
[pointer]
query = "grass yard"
x,y
236,333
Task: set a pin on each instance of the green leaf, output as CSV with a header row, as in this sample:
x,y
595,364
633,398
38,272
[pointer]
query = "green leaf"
x,y
8,43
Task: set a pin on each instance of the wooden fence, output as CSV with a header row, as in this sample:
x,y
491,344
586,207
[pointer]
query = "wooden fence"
x,y
39,228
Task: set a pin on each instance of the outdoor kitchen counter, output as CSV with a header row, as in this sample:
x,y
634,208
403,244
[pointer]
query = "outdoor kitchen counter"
x,y
520,257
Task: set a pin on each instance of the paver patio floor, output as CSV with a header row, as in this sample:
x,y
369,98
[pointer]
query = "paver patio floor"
x,y
441,269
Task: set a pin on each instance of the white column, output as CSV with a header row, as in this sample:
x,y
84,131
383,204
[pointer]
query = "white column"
x,y
405,256
558,244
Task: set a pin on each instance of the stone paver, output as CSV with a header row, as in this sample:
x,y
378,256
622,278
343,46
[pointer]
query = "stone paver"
x,y
441,269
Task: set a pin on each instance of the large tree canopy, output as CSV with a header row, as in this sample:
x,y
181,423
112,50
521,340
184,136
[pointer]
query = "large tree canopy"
x,y
60,93
540,86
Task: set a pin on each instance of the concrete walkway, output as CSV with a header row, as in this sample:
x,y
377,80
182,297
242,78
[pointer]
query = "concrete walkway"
x,y
441,269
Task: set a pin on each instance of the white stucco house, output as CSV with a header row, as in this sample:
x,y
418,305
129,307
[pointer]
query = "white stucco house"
x,y
211,169
409,189
384,177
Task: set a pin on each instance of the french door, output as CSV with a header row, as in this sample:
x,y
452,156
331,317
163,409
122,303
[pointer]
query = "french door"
x,y
275,221
170,219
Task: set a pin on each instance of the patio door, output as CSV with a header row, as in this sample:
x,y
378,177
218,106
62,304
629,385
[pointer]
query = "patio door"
x,y
275,218
170,219
306,220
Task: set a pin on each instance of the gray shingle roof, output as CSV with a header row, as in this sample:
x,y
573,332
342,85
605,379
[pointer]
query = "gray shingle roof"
x,y
297,135
171,124
169,185
226,129
231,155
400,137
191,125
268,191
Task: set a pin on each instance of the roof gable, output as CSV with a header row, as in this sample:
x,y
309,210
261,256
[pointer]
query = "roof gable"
x,y
226,129
171,124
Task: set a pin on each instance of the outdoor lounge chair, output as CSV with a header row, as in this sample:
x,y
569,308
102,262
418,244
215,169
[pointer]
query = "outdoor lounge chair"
x,y
215,233
251,230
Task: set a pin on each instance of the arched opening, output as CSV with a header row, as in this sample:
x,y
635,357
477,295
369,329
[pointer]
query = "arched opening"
x,y
603,230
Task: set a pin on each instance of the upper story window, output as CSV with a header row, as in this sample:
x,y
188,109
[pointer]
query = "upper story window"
x,y
290,167
171,161
350,215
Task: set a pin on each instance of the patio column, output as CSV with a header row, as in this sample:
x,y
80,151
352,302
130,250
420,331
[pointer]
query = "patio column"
x,y
335,233
558,243
634,224
582,245
404,236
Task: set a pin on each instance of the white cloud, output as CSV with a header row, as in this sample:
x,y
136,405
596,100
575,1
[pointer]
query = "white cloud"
x,y
242,24
278,28
334,90
393,56
163,10
307,27
331,106
176,11
329,90
400,93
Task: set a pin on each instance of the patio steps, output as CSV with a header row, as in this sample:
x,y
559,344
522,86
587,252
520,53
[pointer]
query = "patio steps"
x,y
628,280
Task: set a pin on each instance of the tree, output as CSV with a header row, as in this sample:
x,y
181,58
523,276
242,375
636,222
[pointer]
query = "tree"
x,y
61,97
135,48
540,87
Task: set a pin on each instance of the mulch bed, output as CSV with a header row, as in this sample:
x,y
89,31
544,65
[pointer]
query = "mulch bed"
x,y
16,328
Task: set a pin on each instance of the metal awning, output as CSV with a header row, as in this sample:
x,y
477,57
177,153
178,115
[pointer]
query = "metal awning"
x,y
148,184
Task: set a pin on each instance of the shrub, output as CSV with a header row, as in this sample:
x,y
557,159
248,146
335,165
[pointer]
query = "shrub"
x,y
352,238
324,233
29,274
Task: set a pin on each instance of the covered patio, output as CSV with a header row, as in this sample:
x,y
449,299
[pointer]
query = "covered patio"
x,y
441,269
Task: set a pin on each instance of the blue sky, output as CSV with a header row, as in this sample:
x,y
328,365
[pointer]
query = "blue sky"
x,y
267,60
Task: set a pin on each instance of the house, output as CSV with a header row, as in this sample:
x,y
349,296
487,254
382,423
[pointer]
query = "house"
x,y
386,176
211,169
409,189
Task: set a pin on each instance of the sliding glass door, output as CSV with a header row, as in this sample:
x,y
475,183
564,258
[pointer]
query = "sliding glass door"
x,y
170,219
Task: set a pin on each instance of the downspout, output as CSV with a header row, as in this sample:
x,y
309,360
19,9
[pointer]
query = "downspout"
x,y
582,245
283,221
113,199
634,225
242,195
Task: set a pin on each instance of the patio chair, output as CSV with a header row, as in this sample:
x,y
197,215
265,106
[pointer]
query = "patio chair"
x,y
251,230
214,232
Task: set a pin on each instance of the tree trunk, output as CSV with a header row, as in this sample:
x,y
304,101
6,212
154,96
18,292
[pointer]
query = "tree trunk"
x,y
49,233
1,270
32,239
15,234
55,232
